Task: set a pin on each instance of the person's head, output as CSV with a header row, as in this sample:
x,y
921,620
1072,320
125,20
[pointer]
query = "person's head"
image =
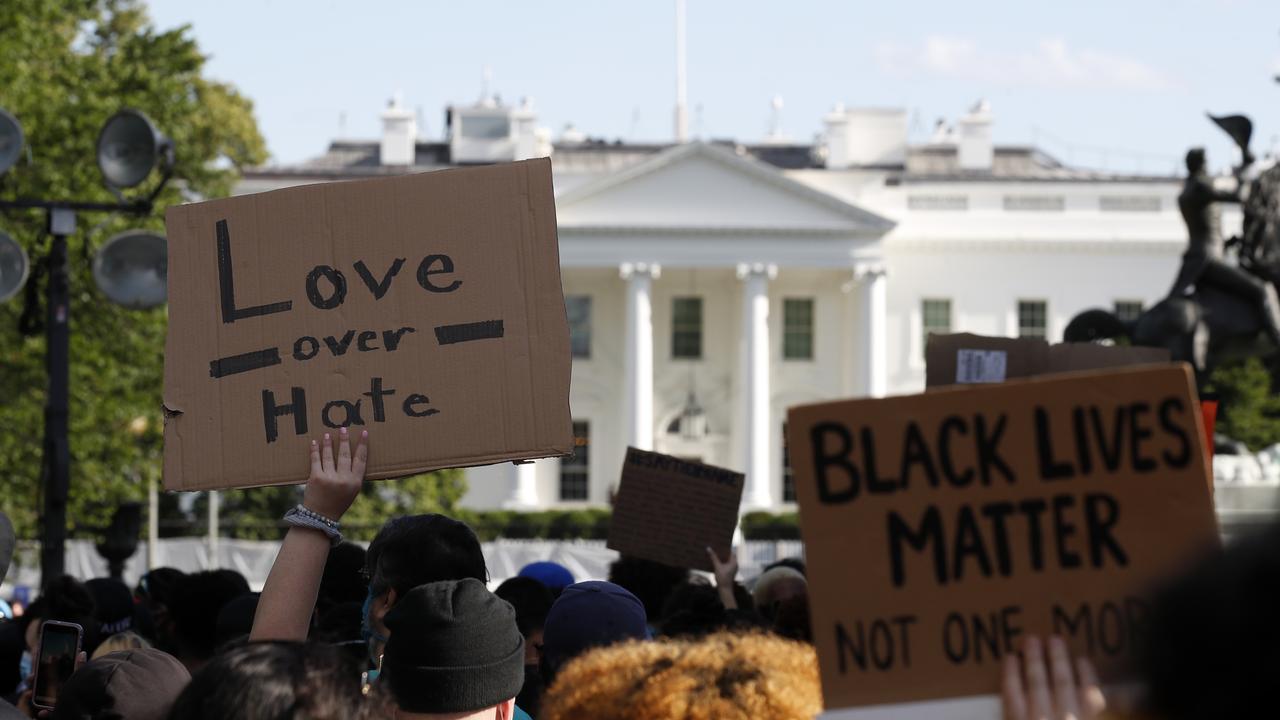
x,y
343,580
775,587
121,642
112,605
152,596
532,601
587,615
415,550
272,681
648,580
726,676
235,620
693,609
65,599
1211,643
1195,160
139,684
194,605
454,650
794,563
554,575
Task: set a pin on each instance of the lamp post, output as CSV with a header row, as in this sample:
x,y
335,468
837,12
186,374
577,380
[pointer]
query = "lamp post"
x,y
129,147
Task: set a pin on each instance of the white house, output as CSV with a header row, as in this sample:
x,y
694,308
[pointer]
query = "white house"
x,y
710,286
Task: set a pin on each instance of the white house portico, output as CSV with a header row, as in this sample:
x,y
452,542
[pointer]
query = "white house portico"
x,y
709,286
706,243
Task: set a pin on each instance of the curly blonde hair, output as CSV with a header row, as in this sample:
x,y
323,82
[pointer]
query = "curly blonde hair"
x,y
721,677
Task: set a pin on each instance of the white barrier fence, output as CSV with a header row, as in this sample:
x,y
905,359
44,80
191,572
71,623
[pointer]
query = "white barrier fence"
x,y
586,559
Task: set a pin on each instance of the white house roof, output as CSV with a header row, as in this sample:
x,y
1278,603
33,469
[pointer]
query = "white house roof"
x,y
700,186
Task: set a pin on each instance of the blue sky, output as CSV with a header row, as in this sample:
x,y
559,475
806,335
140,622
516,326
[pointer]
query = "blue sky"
x,y
1122,84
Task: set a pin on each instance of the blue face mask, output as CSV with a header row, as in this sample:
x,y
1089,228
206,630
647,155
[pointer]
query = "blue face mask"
x,y
24,665
366,628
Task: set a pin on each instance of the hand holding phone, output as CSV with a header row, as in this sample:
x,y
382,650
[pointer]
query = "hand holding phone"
x,y
59,648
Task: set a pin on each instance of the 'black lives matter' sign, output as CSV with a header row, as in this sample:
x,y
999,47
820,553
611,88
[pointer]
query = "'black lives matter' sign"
x,y
942,528
425,308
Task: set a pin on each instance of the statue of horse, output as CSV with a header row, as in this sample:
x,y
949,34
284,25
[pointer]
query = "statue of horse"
x,y
1210,325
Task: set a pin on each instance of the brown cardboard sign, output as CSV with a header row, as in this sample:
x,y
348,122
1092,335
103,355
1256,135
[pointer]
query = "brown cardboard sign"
x,y
968,359
425,308
940,529
670,510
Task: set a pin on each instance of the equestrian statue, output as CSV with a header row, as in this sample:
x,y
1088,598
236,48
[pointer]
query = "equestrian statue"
x,y
1223,304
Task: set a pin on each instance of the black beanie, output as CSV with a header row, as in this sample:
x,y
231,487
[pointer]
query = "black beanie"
x,y
454,647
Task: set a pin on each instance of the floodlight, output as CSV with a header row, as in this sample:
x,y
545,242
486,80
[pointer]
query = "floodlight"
x,y
132,269
128,147
13,267
10,141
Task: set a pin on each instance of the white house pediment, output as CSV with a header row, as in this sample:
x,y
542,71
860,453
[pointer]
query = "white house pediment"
x,y
705,187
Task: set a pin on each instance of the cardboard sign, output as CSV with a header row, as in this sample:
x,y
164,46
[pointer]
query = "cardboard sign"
x,y
940,529
671,510
968,359
424,308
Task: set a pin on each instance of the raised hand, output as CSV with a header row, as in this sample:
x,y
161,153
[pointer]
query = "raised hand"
x,y
1052,692
335,481
725,573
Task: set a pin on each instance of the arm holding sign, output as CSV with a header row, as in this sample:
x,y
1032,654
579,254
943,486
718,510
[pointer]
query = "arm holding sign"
x,y
289,596
725,573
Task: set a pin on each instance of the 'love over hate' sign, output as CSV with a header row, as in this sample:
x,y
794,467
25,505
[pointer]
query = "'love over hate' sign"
x,y
425,308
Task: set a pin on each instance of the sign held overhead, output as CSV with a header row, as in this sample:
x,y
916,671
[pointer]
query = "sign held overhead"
x,y
670,510
426,308
940,529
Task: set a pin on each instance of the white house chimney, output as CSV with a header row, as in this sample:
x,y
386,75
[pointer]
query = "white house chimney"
x,y
835,131
866,137
399,134
975,149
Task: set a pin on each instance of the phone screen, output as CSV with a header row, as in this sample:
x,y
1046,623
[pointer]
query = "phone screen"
x,y
59,645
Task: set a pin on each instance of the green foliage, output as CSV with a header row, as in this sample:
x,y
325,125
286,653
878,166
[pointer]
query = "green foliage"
x,y
767,526
255,514
68,65
1248,409
591,524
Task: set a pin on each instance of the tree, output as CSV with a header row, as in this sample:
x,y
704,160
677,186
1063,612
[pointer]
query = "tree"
x,y
67,66
1248,410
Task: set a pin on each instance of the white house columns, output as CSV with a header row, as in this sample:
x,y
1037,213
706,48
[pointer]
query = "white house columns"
x,y
639,351
755,383
522,487
869,278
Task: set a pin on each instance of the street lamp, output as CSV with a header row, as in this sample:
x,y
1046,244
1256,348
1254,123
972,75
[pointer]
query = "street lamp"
x,y
131,270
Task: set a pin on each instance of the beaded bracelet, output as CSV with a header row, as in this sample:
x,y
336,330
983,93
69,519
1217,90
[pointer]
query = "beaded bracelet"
x,y
299,516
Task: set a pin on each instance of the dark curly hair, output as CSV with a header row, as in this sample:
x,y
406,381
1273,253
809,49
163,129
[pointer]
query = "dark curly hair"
x,y
273,681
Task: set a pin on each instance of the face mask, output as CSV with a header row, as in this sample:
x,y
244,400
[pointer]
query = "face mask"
x,y
24,665
366,628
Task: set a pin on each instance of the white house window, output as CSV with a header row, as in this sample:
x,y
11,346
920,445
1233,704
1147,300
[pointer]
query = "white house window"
x,y
1033,318
686,328
1128,310
575,470
797,328
1035,203
1129,203
578,308
938,202
935,314
480,127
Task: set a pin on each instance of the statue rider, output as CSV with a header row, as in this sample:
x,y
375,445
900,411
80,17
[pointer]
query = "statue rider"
x,y
1203,264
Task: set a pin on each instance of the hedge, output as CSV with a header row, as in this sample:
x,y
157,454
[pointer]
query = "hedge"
x,y
768,526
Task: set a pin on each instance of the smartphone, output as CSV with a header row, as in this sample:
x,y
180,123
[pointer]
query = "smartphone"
x,y
59,645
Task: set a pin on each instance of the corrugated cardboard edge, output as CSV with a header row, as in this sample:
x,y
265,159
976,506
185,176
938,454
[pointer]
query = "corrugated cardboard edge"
x,y
1026,356
548,441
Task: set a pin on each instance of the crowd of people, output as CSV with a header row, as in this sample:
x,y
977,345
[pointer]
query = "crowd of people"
x,y
409,629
